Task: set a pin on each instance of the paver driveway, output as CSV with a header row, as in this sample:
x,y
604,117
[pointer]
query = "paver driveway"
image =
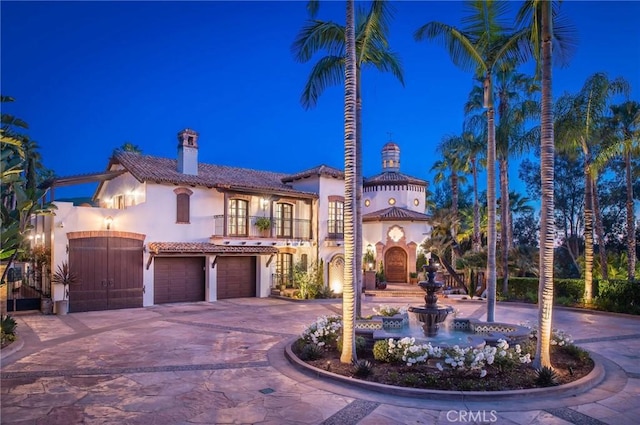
x,y
223,363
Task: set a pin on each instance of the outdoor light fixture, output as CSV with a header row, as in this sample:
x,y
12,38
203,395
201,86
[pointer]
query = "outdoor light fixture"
x,y
264,203
108,221
369,248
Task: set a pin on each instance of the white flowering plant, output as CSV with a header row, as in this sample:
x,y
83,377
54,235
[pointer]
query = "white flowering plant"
x,y
458,358
324,331
406,350
558,336
388,311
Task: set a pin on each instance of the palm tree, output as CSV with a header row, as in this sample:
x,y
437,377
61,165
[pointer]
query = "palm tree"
x,y
484,45
582,116
453,162
348,354
624,129
473,147
372,49
540,17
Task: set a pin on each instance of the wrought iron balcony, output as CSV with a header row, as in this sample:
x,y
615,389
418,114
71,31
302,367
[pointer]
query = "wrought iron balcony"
x,y
280,228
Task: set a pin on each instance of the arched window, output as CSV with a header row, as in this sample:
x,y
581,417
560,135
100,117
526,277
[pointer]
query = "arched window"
x,y
183,199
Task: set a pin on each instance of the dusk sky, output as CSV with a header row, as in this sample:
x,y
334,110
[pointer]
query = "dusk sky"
x,y
89,76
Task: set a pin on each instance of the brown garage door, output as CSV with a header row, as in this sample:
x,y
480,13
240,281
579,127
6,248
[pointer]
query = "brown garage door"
x,y
109,273
396,265
178,279
236,277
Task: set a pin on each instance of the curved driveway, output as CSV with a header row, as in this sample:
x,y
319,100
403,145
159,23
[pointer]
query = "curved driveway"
x,y
223,363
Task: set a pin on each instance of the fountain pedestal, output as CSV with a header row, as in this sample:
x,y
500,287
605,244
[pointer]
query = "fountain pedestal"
x,y
431,314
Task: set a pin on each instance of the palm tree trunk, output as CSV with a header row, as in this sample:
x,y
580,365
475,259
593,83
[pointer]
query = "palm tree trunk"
x,y
504,223
358,213
348,354
631,231
454,211
588,234
547,225
491,204
597,215
477,243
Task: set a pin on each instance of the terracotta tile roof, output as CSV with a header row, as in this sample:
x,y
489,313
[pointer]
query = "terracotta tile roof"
x,y
164,170
395,214
393,177
320,170
207,248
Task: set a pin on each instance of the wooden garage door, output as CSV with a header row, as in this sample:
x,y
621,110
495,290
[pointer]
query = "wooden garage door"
x,y
395,265
109,272
236,277
178,279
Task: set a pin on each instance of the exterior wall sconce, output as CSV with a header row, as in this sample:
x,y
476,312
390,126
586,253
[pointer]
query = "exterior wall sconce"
x,y
264,203
108,222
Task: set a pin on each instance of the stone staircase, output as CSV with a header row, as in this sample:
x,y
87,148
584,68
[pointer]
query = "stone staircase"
x,y
405,290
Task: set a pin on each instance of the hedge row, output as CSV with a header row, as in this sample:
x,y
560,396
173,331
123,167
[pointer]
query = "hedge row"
x,y
619,296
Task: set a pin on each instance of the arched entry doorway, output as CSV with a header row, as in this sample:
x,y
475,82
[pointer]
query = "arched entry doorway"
x,y
336,274
395,265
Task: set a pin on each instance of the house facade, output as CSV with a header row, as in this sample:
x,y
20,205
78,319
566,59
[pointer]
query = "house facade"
x,y
177,230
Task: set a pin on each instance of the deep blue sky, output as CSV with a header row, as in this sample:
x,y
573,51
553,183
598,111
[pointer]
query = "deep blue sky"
x,y
88,76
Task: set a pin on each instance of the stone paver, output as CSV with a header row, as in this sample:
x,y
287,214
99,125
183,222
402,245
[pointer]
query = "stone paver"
x,y
223,363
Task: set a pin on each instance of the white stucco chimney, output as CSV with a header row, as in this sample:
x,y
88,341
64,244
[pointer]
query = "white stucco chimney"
x,y
188,152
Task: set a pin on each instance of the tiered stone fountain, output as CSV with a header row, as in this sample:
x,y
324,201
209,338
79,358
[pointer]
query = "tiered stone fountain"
x,y
432,313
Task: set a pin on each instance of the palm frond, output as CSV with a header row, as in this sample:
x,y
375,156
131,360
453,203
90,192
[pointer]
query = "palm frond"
x,y
316,36
329,71
461,48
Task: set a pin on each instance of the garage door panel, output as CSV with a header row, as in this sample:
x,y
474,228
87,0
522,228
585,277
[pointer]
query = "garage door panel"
x,y
109,271
236,277
178,279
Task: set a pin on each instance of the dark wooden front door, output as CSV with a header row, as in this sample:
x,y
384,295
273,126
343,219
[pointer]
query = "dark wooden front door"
x,y
395,265
178,279
109,271
236,277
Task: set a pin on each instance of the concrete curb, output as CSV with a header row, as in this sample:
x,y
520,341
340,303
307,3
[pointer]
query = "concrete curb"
x,y
593,379
13,348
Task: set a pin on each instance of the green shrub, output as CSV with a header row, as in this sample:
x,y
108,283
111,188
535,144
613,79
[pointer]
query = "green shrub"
x,y
546,377
8,325
579,354
311,352
381,351
362,368
619,296
7,329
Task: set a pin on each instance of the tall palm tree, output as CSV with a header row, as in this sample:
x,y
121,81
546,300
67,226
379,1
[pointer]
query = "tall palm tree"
x,y
348,354
372,49
540,17
482,45
624,129
472,148
453,163
578,127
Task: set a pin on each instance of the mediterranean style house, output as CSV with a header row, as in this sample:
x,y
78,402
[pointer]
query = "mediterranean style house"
x,y
177,230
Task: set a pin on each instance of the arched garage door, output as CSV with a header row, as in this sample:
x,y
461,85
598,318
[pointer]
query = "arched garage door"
x,y
178,279
109,271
